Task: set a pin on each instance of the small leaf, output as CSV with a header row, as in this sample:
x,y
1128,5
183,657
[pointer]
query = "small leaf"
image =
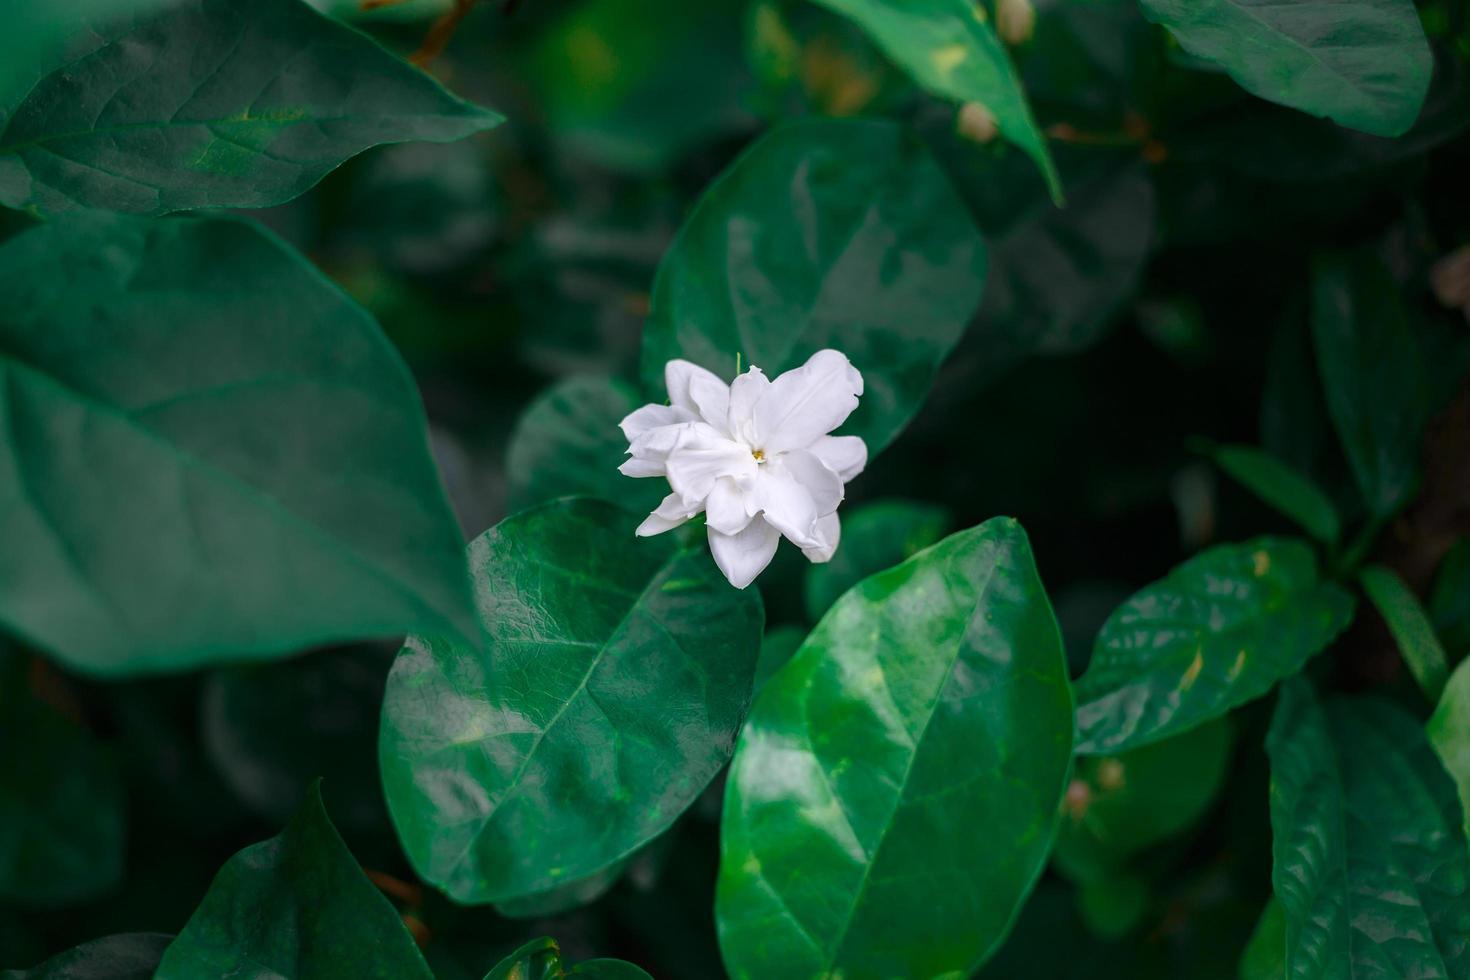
x,y
1265,954
835,233
1113,905
1372,374
127,956
540,959
295,907
1363,63
916,746
1449,733
1449,601
210,453
1218,631
950,50
62,815
1409,624
874,537
616,673
1370,862
212,103
1282,487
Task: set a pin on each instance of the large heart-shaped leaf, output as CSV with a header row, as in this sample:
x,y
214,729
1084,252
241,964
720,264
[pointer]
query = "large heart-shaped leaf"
x,y
541,959
206,103
1370,862
895,789
1217,632
1362,63
126,956
837,233
949,49
616,672
209,452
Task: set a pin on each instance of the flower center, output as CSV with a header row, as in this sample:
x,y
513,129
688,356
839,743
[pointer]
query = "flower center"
x,y
759,455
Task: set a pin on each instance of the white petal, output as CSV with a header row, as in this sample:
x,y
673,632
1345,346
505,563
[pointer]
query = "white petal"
x,y
651,417
844,455
829,529
808,402
745,392
669,514
725,508
745,555
679,375
635,466
701,457
824,485
787,506
712,397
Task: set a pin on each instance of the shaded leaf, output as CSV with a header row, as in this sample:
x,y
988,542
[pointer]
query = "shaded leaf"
x,y
1282,487
540,959
1449,601
616,672
212,453
1265,955
931,701
874,537
128,956
1218,631
1409,624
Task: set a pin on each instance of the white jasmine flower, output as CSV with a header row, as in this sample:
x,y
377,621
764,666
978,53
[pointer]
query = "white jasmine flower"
x,y
755,456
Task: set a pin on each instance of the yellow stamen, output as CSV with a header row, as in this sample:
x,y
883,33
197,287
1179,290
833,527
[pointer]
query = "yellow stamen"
x,y
759,454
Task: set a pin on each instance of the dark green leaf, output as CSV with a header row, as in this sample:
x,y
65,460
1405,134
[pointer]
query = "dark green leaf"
x,y
295,907
1113,905
62,817
616,672
540,959
209,103
572,895
837,233
917,746
777,648
1370,862
950,50
1362,63
129,956
211,453
567,442
1218,631
1282,487
1265,955
1449,733
1409,624
1449,602
1373,376
874,537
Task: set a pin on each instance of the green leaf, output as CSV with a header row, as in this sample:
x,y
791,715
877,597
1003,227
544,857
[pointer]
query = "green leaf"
x,y
1449,733
916,746
1216,632
1282,487
1409,624
874,537
573,895
834,233
567,443
62,815
540,959
128,956
1265,954
948,49
1449,600
211,453
1365,64
616,673
211,103
295,907
1118,805
1113,905
778,646
1372,374
1370,862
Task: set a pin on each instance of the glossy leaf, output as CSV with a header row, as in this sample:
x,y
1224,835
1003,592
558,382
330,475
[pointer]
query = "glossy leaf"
x,y
1118,805
1449,733
1373,375
1363,63
212,454
895,789
1282,487
567,443
1265,954
1449,601
836,233
1218,631
950,50
616,672
874,537
295,907
127,956
62,813
214,103
1362,900
1410,626
540,959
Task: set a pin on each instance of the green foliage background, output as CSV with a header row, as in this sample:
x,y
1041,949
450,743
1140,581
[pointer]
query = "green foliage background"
x,y
1143,652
